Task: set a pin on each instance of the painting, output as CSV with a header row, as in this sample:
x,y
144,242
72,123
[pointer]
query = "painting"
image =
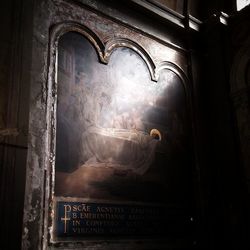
x,y
122,142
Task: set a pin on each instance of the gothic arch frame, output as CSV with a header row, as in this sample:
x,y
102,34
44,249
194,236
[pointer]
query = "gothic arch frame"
x,y
104,52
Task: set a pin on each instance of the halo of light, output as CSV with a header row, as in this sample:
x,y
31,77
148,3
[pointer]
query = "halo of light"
x,y
156,134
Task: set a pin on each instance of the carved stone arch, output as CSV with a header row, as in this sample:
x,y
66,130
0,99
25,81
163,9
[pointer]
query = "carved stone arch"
x,y
178,71
59,30
50,92
122,42
50,95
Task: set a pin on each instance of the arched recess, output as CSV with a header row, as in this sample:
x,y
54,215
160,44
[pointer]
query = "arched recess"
x,y
104,51
184,80
122,42
177,70
60,29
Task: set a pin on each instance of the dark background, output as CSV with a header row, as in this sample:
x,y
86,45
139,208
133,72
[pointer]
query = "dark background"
x,y
221,115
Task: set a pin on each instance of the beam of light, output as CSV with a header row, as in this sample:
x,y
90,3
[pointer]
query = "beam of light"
x,y
242,4
114,113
